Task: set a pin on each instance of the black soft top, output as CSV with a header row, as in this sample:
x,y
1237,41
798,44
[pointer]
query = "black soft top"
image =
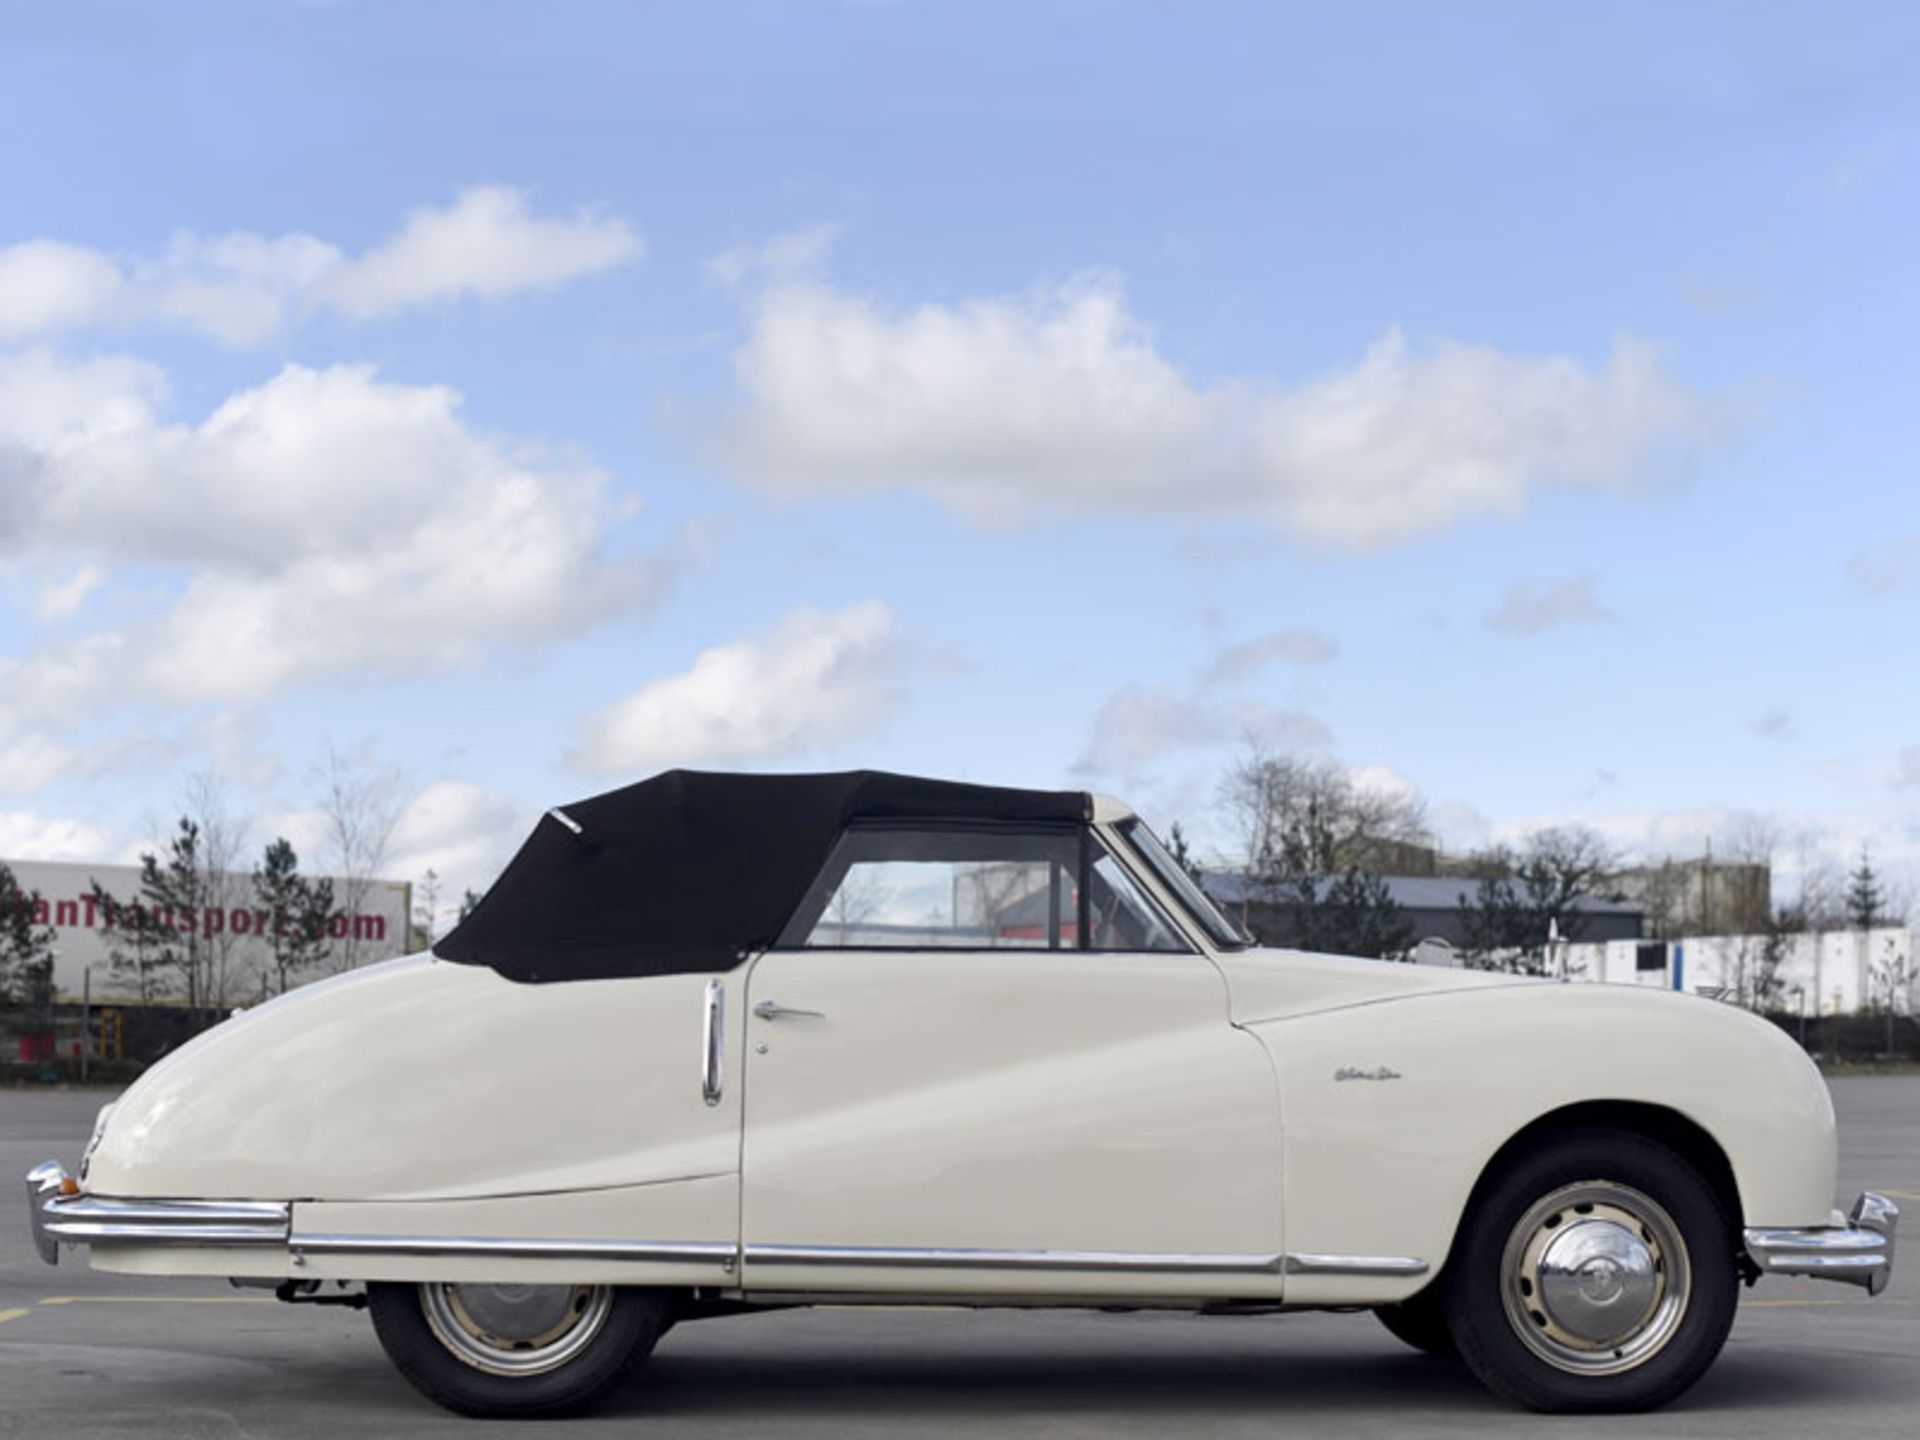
x,y
692,871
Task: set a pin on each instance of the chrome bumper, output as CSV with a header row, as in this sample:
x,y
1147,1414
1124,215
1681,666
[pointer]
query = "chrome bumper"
x,y
80,1219
1856,1248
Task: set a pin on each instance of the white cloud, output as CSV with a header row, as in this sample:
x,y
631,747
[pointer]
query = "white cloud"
x,y
27,836
30,762
1906,771
46,285
819,678
785,257
1247,658
238,288
65,598
1849,175
241,288
1530,608
1881,569
1139,725
486,244
325,522
462,832
1004,406
1384,781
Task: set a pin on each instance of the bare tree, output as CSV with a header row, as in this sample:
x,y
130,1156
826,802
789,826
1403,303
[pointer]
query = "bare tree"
x,y
1753,963
361,803
1818,904
1280,801
426,911
225,884
1512,919
1317,844
1892,979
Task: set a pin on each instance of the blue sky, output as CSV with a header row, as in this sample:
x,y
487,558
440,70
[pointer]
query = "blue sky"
x,y
1511,402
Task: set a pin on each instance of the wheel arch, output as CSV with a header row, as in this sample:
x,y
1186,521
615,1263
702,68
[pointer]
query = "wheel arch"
x,y
1680,1133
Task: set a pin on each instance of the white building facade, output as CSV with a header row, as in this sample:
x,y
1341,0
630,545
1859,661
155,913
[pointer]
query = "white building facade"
x,y
236,926
1839,972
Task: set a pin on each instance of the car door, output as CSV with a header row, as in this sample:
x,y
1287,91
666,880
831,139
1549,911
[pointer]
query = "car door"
x,y
984,1060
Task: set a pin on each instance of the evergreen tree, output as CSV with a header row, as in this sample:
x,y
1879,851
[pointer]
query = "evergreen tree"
x,y
1323,904
1866,901
162,939
300,912
26,946
138,945
1182,852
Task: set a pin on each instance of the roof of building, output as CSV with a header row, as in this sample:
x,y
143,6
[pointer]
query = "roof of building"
x,y
1410,892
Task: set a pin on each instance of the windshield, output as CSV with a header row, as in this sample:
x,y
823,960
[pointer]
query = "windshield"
x,y
1147,845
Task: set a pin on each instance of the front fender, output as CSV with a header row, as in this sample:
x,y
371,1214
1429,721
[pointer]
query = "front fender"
x,y
1394,1109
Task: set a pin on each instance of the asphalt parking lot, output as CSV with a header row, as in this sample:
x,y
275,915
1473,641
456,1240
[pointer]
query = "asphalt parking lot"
x,y
86,1355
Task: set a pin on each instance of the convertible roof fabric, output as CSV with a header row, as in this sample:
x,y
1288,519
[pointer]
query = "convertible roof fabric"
x,y
691,871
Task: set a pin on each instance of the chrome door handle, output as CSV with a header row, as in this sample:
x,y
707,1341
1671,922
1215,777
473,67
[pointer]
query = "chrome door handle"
x,y
713,1036
773,1010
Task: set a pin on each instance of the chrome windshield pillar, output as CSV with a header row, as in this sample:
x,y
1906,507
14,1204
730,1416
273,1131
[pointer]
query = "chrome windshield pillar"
x,y
1856,1248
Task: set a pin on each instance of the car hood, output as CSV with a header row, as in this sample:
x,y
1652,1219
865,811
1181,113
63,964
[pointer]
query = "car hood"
x,y
1281,984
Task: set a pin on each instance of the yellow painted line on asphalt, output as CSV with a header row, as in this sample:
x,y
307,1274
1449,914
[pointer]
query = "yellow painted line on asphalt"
x,y
154,1300
6,1315
1901,1194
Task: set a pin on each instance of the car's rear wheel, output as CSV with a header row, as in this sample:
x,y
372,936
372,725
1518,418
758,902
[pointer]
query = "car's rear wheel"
x,y
516,1350
1422,1323
1598,1273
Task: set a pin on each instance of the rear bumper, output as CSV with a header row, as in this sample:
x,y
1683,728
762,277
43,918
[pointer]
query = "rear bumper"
x,y
1856,1248
60,1216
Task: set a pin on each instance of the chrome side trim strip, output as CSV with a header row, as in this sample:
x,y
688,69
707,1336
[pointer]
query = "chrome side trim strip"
x,y
1856,1248
719,1253
1382,1266
1055,1260
712,1044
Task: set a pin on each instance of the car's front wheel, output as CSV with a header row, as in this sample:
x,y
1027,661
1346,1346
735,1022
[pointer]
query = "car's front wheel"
x,y
1598,1273
520,1351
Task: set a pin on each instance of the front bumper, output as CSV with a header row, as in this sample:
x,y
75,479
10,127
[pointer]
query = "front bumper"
x,y
1856,1248
60,1214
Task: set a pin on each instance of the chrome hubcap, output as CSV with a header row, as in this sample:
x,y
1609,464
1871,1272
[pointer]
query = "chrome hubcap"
x,y
1595,1278
516,1329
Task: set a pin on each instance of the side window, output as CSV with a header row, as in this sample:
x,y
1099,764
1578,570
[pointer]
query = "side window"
x,y
1121,917
916,889
896,888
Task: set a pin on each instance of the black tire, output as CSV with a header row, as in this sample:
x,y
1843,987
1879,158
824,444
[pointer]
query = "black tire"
x,y
1637,1228
1422,1323
613,1330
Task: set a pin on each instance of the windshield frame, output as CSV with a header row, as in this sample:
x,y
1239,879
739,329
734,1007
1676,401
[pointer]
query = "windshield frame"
x,y
1185,891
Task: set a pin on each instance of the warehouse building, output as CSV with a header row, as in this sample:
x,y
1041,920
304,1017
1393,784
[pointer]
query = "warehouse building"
x,y
235,926
1431,903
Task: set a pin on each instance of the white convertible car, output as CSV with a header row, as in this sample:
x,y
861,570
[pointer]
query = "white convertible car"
x,y
724,1041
